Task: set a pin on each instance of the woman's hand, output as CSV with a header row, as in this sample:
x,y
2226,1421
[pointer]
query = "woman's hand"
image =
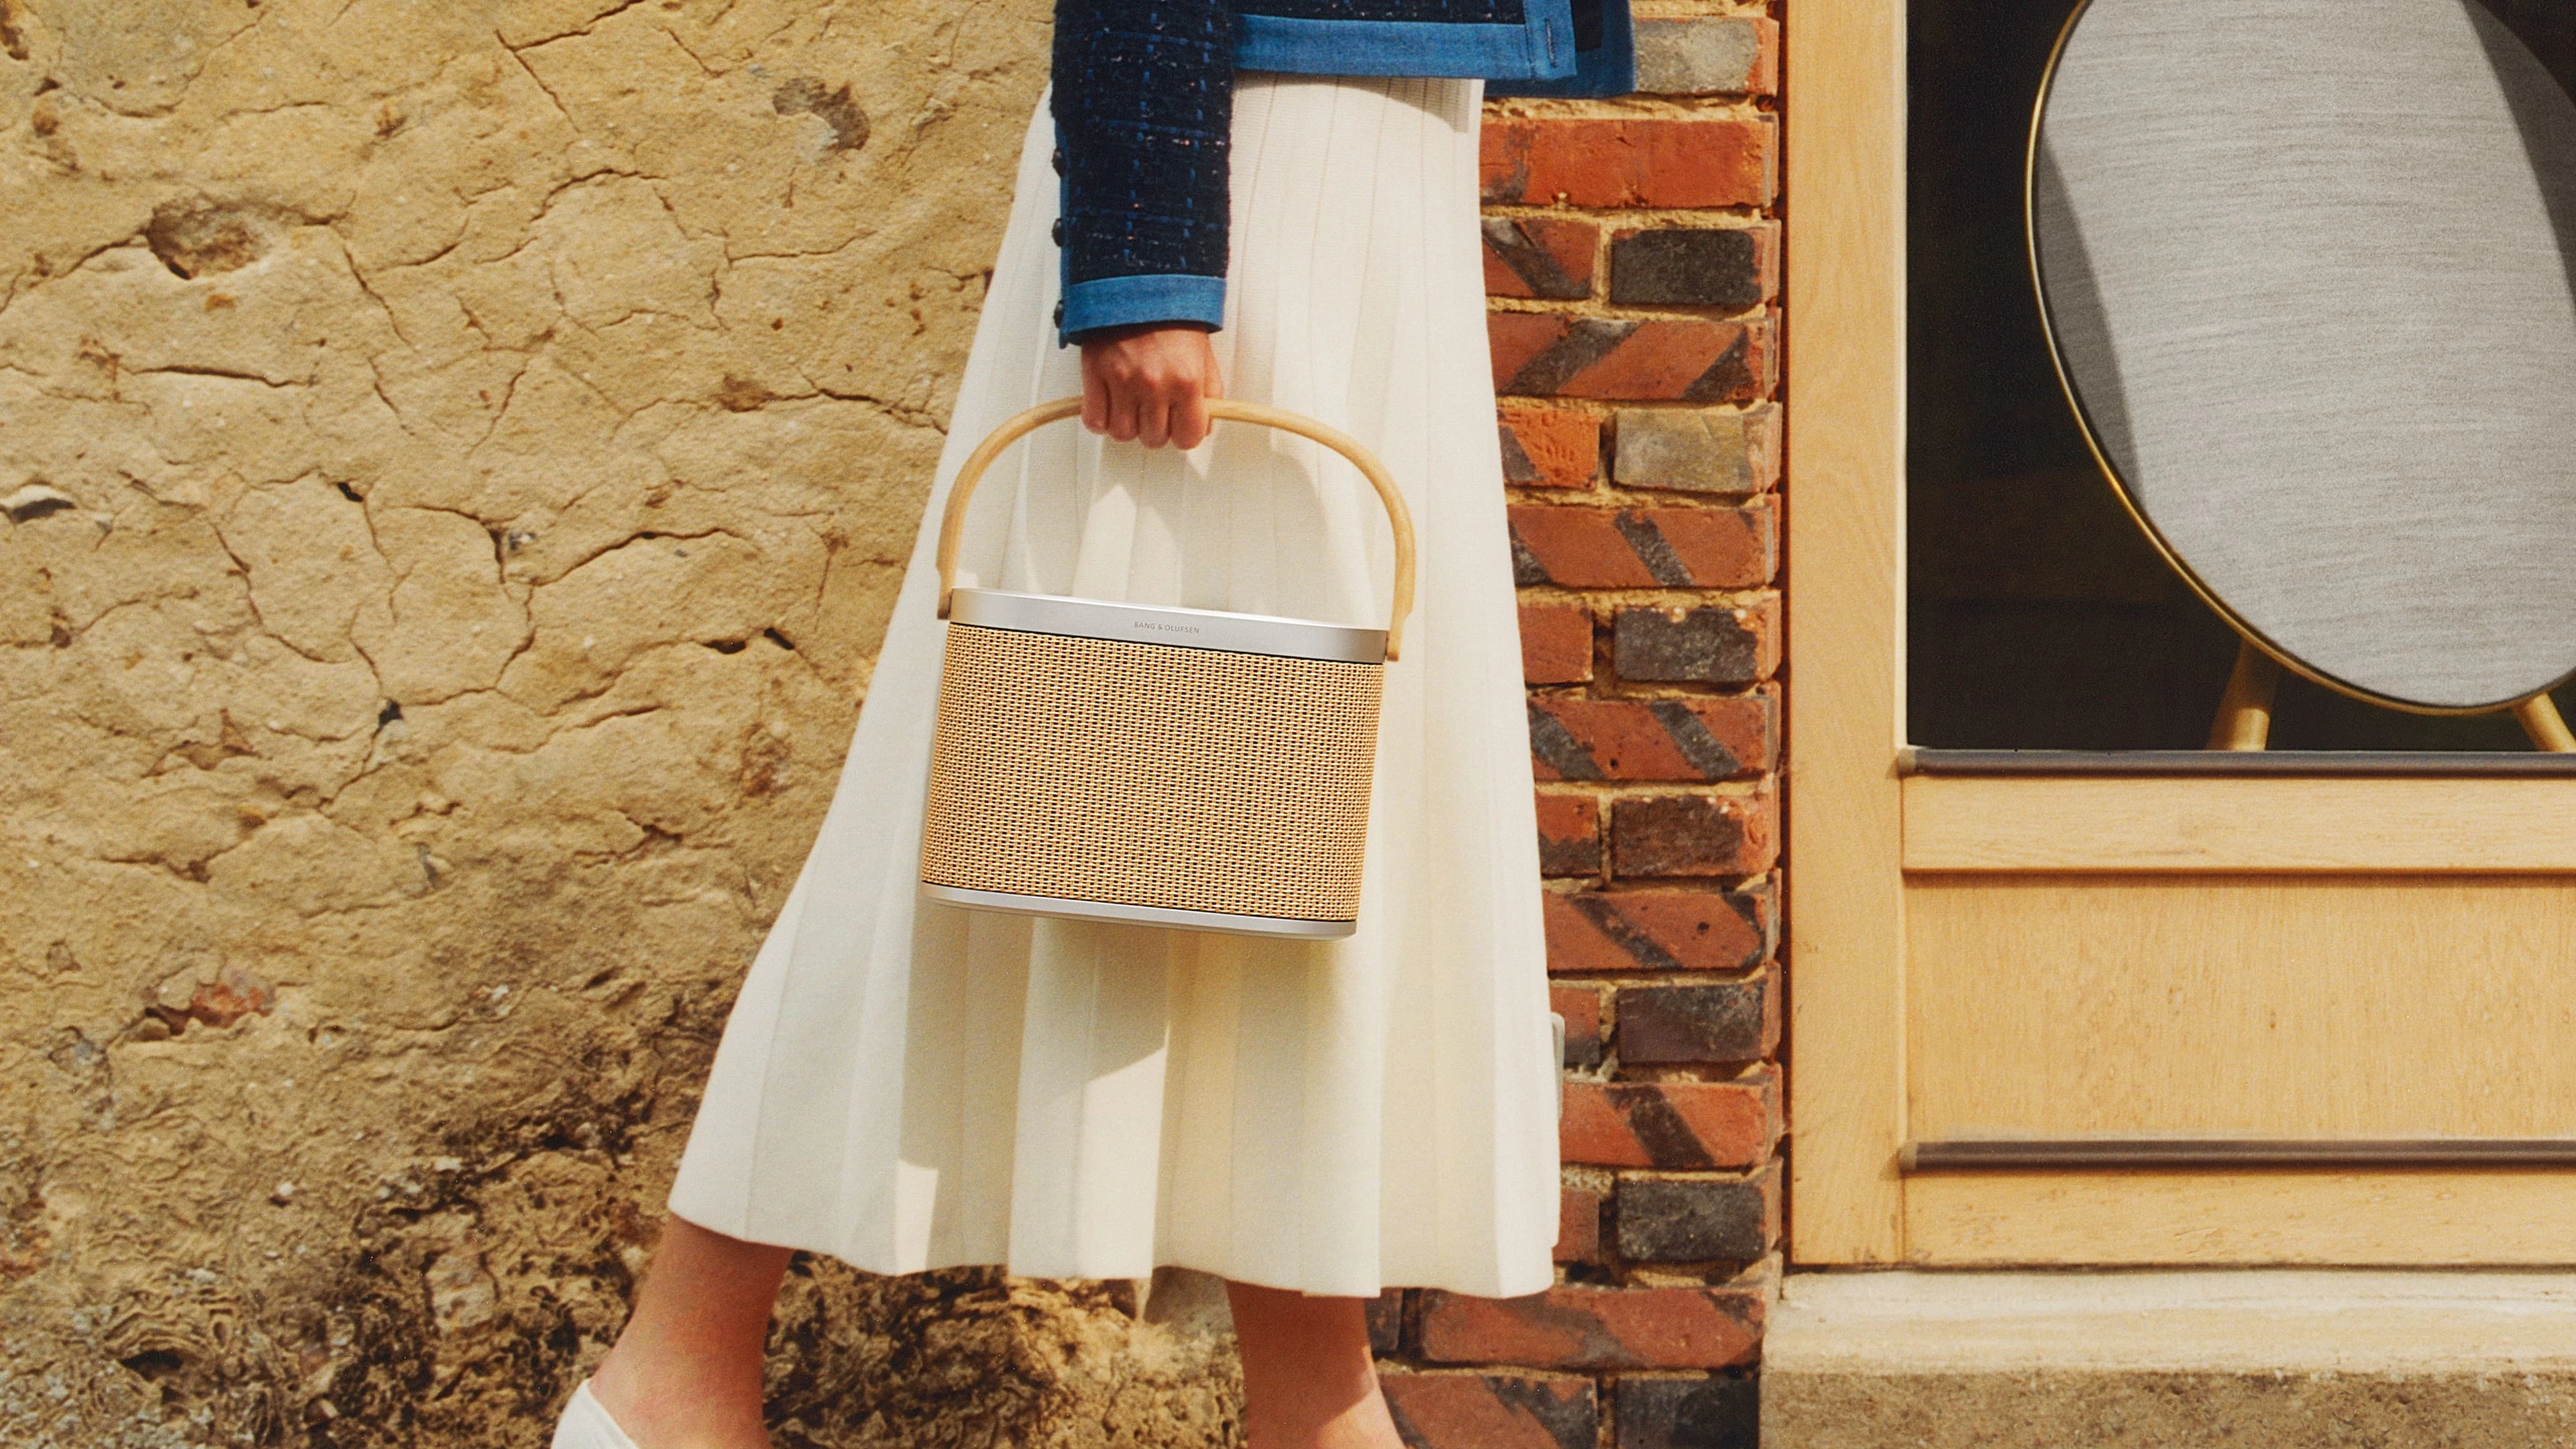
x,y
1150,384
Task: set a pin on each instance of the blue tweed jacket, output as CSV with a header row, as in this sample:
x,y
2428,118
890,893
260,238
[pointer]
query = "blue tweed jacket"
x,y
1144,105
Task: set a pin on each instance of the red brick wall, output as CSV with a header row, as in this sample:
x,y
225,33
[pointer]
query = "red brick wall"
x,y
1632,253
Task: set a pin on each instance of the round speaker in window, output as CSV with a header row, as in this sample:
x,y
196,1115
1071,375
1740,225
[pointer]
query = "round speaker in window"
x,y
2306,269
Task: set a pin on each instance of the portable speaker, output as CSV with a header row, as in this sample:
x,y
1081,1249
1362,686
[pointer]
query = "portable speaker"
x,y
1174,767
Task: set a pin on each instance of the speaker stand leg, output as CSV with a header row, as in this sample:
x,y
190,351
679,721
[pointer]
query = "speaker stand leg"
x,y
2540,719
2245,711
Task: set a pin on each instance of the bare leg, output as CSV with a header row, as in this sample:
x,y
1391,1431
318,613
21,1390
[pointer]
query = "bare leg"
x,y
1308,1380
685,1373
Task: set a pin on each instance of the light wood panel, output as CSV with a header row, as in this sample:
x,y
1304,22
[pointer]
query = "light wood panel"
x,y
2082,962
2391,1218
2203,1006
1845,509
2240,824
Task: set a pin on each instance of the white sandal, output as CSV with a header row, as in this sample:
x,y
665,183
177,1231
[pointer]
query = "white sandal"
x,y
586,1424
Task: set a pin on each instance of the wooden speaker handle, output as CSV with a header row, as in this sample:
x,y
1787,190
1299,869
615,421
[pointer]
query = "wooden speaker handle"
x,y
952,523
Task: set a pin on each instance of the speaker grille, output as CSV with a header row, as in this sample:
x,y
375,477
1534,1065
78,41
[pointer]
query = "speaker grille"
x,y
1151,775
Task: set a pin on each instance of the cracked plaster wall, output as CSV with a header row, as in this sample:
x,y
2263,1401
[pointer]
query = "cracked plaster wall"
x,y
458,458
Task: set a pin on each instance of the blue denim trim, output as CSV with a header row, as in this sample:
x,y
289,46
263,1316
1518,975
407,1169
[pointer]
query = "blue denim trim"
x,y
1609,69
1540,48
1125,301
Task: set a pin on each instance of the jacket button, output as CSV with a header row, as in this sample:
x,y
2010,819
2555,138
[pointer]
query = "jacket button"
x,y
1059,314
1057,160
1057,231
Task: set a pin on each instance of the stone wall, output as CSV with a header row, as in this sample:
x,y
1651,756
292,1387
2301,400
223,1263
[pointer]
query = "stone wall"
x,y
458,458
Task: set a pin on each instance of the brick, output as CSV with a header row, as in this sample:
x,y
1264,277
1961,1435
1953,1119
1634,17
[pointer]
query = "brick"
x,y
1675,1126
1556,643
1553,354
1596,1328
1669,835
1650,739
1734,56
1550,447
1493,1411
1642,548
1578,1225
1532,256
1675,1220
1385,1316
1697,451
1712,1413
1719,1021
1658,930
1569,835
1630,161
1729,267
1712,645
1581,1008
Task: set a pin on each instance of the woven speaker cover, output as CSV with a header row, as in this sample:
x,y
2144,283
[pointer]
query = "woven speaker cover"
x,y
1151,775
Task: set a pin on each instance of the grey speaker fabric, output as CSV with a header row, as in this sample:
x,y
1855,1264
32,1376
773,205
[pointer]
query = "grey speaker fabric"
x,y
2306,265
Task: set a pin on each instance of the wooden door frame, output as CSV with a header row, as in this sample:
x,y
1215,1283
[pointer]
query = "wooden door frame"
x,y
1845,506
1848,791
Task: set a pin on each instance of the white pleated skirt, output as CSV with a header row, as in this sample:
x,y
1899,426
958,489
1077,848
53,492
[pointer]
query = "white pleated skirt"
x,y
906,1085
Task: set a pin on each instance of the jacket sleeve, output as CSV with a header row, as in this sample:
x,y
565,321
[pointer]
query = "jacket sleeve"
x,y
1144,109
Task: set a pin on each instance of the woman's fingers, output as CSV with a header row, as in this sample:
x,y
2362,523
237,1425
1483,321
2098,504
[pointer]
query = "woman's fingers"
x,y
1139,386
1095,399
1190,422
1190,418
1158,413
1153,384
